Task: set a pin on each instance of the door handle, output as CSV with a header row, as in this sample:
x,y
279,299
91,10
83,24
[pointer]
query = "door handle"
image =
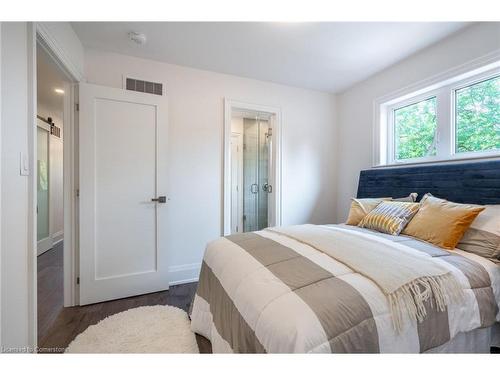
x,y
160,199
267,187
254,188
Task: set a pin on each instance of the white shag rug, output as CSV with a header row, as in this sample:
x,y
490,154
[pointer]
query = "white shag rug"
x,y
147,329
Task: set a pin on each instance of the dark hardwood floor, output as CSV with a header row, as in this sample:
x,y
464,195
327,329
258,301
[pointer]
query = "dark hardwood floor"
x,y
59,325
50,288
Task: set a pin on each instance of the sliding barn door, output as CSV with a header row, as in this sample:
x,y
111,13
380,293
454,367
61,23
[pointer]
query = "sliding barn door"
x,y
123,188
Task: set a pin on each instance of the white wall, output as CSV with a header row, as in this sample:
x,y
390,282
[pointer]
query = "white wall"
x,y
355,106
46,110
195,99
14,195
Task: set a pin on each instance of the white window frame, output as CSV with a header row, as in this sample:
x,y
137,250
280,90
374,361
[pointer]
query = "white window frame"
x,y
495,73
443,87
391,126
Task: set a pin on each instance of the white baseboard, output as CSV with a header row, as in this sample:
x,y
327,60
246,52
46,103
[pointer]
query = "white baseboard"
x,y
43,245
57,237
184,273
48,243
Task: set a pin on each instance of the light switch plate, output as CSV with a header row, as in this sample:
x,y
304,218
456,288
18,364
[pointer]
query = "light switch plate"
x,y
24,164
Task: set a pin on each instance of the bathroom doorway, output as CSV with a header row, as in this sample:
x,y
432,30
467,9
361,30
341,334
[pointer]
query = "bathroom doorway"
x,y
252,162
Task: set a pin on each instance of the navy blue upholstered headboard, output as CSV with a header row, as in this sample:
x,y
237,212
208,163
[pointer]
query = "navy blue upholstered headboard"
x,y
471,182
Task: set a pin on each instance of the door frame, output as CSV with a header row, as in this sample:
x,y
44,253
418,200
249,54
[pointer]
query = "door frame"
x,y
39,34
238,137
275,123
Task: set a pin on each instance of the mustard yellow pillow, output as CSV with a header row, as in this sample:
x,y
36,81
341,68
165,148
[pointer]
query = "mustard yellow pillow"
x,y
361,207
441,222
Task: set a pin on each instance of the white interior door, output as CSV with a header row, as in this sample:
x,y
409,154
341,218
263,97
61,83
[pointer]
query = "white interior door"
x,y
123,166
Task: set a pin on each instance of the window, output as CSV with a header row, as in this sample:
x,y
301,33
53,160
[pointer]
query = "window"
x,y
477,116
416,126
455,118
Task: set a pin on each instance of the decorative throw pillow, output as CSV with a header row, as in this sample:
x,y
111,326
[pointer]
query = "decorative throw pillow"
x,y
360,207
390,217
410,198
483,236
441,222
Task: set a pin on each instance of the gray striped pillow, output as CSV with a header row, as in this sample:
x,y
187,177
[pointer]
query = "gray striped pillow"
x,y
483,236
390,217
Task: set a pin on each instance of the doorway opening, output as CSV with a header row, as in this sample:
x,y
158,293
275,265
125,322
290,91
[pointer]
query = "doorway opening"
x,y
252,160
50,94
251,143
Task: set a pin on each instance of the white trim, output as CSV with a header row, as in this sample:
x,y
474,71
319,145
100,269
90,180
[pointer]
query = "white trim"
x,y
57,52
390,124
49,243
239,209
32,187
70,199
184,273
276,121
44,245
1,184
57,237
436,84
476,79
440,161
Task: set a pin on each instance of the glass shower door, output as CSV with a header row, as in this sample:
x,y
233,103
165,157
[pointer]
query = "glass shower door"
x,y
255,174
263,175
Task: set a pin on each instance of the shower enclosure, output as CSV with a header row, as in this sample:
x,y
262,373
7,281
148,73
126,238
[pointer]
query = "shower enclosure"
x,y
256,187
252,168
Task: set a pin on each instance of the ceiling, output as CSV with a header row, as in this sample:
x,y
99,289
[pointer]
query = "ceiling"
x,y
329,56
49,78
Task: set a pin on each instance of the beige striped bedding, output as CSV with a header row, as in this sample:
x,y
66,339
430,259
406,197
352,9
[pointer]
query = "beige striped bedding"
x,y
263,292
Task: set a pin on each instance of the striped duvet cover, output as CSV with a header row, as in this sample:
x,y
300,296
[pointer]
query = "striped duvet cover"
x,y
262,292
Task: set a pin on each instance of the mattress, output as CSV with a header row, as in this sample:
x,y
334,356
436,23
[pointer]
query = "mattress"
x,y
262,292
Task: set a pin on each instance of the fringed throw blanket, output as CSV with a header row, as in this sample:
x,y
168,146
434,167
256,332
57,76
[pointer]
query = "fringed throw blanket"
x,y
407,278
338,289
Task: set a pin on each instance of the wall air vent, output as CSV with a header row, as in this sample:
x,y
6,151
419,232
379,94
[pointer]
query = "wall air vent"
x,y
144,86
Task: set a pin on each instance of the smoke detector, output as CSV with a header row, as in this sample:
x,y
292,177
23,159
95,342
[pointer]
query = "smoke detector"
x,y
136,37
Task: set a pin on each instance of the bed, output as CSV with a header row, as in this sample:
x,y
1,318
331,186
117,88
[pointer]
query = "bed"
x,y
304,289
